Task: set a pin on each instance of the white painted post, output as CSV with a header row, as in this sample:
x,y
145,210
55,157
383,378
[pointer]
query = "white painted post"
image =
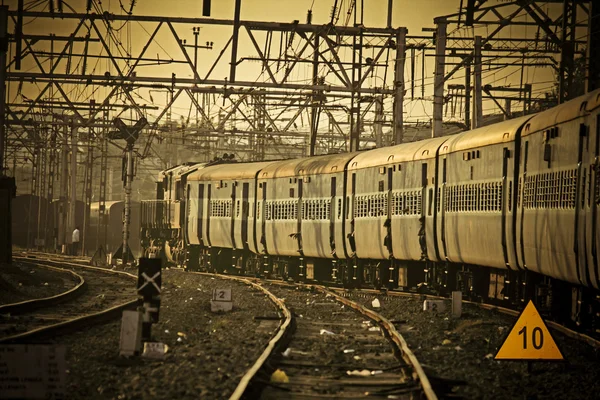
x,y
456,304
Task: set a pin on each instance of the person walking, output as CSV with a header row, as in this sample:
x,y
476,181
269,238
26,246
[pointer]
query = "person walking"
x,y
76,241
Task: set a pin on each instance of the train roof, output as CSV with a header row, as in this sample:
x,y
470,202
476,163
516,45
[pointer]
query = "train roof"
x,y
179,169
421,150
228,171
593,101
562,113
500,132
330,163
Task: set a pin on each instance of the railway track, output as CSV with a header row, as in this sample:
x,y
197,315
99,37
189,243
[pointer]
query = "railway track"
x,y
593,341
331,347
101,294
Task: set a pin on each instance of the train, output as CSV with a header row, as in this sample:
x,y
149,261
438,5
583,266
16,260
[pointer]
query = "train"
x,y
505,213
35,224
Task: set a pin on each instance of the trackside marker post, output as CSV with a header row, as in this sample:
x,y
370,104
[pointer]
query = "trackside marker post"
x,y
529,339
221,300
131,333
149,287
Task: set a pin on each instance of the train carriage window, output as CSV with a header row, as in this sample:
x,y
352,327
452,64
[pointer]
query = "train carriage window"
x,y
339,208
291,192
510,184
381,186
237,208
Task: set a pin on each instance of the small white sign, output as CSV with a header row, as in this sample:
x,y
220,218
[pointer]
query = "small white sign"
x,y
434,305
131,333
32,371
155,350
221,294
456,304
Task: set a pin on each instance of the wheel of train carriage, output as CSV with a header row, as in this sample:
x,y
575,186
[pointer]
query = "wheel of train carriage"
x,y
203,261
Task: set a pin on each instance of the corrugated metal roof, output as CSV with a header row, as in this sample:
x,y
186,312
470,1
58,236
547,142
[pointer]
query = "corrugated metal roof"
x,y
500,132
228,171
326,164
420,150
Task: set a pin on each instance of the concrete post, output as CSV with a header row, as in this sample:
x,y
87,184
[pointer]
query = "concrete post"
x,y
399,85
477,96
438,84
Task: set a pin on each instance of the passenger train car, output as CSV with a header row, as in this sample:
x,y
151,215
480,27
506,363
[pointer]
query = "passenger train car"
x,y
506,213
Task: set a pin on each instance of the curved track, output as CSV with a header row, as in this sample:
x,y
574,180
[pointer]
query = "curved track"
x,y
33,304
103,295
395,370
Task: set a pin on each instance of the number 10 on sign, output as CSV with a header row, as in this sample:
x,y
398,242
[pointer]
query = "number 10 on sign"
x,y
529,339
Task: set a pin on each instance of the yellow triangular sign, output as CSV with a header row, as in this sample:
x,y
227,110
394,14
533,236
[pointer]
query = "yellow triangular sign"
x,y
529,339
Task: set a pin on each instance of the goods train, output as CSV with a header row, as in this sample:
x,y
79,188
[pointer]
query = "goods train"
x,y
505,213
35,224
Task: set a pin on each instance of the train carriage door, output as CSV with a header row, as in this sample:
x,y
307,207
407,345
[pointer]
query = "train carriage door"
x,y
263,237
200,213
208,212
583,272
245,190
333,212
504,208
350,208
233,213
424,209
186,211
442,201
388,222
299,223
521,205
595,202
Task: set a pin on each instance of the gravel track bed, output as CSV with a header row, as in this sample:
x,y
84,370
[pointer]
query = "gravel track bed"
x,y
317,362
205,361
474,340
21,281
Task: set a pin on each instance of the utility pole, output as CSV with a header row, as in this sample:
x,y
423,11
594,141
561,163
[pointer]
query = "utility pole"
x,y
438,82
468,95
477,95
64,174
130,134
378,124
399,85
73,192
566,74
7,185
316,100
234,43
593,49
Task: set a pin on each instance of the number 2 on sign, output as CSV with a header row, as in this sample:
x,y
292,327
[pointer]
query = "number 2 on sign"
x,y
537,337
221,294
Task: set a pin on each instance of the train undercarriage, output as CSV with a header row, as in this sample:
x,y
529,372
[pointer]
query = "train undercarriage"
x,y
567,304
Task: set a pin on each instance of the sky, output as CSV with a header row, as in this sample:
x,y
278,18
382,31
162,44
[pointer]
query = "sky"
x,y
410,14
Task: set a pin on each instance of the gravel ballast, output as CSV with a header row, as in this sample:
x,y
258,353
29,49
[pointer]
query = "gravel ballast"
x,y
464,350
208,352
